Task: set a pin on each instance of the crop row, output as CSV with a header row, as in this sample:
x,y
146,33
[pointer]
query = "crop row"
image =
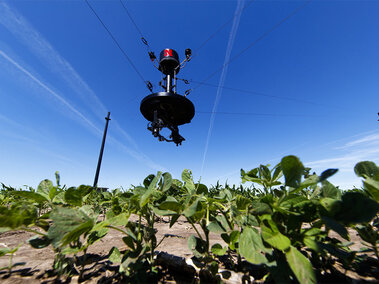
x,y
281,224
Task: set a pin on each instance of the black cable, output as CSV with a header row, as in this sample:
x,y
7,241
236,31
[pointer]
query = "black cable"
x,y
258,114
255,42
135,24
264,95
195,53
118,45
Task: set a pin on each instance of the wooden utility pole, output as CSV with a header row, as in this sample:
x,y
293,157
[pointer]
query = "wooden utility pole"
x,y
101,151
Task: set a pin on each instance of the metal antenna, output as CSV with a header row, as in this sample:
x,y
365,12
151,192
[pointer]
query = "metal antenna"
x,y
101,151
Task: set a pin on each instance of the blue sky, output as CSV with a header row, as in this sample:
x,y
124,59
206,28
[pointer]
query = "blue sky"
x,y
310,88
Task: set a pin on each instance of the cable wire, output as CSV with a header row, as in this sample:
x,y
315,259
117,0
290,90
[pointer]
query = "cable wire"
x,y
266,95
195,53
135,24
290,15
118,45
259,114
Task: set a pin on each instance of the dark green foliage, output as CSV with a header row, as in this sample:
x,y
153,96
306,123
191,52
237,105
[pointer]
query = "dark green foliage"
x,y
281,223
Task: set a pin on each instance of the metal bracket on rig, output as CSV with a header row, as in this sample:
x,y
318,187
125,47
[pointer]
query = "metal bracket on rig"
x,y
167,109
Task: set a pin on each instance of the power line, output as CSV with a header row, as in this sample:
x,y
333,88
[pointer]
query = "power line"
x,y
259,114
135,24
264,95
195,53
295,11
118,45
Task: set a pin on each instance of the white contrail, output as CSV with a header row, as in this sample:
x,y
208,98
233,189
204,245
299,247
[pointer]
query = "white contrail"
x,y
40,47
229,48
55,95
135,154
27,34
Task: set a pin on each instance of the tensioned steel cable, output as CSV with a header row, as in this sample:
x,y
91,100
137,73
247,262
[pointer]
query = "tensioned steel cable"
x,y
118,45
195,53
135,24
259,114
265,95
290,15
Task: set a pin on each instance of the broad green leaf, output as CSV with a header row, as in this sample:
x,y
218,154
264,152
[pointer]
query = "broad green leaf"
x,y
119,220
36,197
329,190
57,178
59,198
139,190
66,220
171,205
148,180
114,255
336,227
201,189
187,178
332,206
278,173
96,235
366,233
76,233
107,195
197,246
367,169
150,190
251,246
154,182
335,250
38,241
357,208
44,188
279,270
84,190
161,212
327,174
372,188
217,249
291,200
215,227
311,243
191,242
145,197
292,170
260,208
265,172
4,251
301,266
275,238
193,208
308,182
73,196
20,214
167,181
174,218
272,235
242,202
128,240
313,232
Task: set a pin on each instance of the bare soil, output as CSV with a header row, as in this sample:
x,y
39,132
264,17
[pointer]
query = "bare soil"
x,y
33,265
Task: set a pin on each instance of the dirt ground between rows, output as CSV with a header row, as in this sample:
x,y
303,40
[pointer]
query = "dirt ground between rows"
x,y
32,264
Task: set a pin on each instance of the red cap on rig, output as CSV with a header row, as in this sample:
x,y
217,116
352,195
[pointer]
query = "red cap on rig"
x,y
169,62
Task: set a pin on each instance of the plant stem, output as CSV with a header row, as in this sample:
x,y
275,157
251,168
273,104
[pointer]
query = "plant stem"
x,y
10,263
193,225
33,231
117,229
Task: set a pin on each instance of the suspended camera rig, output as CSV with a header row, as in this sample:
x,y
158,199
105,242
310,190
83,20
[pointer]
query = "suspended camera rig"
x,y
167,109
